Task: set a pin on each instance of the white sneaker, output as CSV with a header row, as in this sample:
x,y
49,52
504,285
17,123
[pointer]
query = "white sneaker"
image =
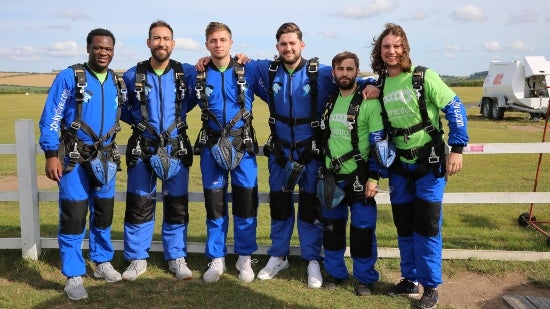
x,y
244,265
273,267
134,270
314,277
74,287
105,270
179,267
215,269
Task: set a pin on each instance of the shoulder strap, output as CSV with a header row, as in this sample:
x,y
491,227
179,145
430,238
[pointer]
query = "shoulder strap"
x,y
241,83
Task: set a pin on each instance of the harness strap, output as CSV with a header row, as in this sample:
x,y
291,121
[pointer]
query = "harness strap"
x,y
275,141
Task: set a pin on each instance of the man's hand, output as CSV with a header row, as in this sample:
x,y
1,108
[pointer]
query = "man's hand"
x,y
202,63
454,163
242,58
54,169
370,92
370,189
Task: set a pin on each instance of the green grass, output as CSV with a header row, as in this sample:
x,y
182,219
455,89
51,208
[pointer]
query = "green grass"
x,y
38,284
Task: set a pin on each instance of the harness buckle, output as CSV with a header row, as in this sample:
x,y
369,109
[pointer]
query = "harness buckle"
x,y
75,125
182,151
357,157
203,137
246,114
74,155
314,148
350,124
414,153
357,186
433,158
429,128
271,120
315,124
140,126
137,150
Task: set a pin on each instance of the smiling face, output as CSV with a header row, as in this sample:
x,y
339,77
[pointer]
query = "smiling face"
x,y
392,52
290,49
100,53
161,43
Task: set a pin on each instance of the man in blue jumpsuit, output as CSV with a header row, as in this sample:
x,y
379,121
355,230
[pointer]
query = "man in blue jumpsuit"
x,y
160,94
418,177
85,113
227,146
296,90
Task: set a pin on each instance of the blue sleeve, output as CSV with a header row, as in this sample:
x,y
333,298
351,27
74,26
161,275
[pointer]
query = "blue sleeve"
x,y
260,70
326,86
375,170
455,113
191,80
126,111
364,81
60,98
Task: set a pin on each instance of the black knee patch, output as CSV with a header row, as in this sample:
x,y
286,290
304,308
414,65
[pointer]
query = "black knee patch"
x,y
360,242
335,239
73,217
213,202
103,212
306,207
176,210
280,205
245,202
426,219
403,215
139,209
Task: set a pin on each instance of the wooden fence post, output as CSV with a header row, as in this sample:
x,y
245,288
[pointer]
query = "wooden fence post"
x,y
28,188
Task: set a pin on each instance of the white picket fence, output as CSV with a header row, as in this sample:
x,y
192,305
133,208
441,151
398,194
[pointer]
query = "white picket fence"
x,y
29,198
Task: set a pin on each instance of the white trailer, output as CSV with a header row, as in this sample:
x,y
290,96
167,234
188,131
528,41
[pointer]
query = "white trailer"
x,y
520,85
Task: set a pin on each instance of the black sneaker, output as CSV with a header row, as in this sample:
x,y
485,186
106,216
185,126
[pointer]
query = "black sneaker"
x,y
363,289
406,288
429,299
331,282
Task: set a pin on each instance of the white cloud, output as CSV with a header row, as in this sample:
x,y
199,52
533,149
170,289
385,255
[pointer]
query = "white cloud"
x,y
375,8
24,54
492,46
328,34
188,44
520,46
522,17
468,13
65,49
71,14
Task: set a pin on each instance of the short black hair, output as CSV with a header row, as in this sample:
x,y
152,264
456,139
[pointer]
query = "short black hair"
x,y
99,32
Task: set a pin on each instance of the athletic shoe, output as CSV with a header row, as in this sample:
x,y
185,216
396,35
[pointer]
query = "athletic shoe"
x,y
74,287
105,270
363,289
406,288
134,270
331,282
429,299
273,267
215,269
314,277
244,266
179,267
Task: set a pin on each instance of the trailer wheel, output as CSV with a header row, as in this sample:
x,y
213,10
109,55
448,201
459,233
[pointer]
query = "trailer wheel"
x,y
486,108
524,218
497,113
548,241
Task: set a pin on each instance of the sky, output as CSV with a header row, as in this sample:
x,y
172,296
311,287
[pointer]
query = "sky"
x,y
452,37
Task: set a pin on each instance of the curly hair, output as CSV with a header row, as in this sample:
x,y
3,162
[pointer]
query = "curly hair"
x,y
377,64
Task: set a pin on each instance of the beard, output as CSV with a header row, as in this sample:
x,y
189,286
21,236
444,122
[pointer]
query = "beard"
x,y
345,84
290,61
160,57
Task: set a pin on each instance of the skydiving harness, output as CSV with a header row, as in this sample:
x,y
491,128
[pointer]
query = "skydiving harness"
x,y
154,151
431,156
275,145
227,153
357,178
101,161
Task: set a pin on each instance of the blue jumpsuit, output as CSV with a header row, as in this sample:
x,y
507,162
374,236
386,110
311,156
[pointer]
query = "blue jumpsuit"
x,y
222,90
77,194
416,196
292,100
139,220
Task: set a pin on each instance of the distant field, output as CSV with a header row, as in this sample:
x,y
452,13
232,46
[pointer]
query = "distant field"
x,y
27,79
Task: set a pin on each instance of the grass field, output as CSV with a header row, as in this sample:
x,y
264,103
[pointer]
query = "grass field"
x,y
38,284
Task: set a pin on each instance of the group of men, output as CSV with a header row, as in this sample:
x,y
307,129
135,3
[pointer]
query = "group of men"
x,y
322,130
